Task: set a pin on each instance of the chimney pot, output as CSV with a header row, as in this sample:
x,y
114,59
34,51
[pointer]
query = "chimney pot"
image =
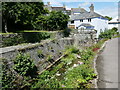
x,y
91,8
48,3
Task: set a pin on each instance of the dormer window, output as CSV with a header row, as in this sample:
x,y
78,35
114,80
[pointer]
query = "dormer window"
x,y
72,21
81,20
89,20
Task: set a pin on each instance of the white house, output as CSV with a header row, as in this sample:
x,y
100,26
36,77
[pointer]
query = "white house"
x,y
82,19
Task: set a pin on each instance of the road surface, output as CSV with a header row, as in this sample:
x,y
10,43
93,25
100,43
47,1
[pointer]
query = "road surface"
x,y
107,65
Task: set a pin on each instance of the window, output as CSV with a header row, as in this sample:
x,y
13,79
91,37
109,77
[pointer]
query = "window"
x,y
81,20
89,20
72,21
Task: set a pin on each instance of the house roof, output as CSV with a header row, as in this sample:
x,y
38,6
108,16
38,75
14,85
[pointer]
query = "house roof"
x,y
86,25
48,7
85,15
80,10
58,8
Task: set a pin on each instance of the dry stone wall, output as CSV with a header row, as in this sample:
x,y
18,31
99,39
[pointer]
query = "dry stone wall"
x,y
38,52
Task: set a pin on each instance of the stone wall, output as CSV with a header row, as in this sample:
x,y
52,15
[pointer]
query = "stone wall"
x,y
53,48
4,37
40,52
18,38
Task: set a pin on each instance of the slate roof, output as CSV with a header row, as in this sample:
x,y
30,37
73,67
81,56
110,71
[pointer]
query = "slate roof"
x,y
58,8
87,25
78,10
85,15
68,12
48,7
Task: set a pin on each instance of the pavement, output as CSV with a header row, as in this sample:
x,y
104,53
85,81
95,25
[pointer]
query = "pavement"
x,y
107,65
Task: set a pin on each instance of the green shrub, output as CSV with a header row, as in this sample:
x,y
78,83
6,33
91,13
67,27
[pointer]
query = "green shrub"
x,y
24,65
27,37
74,77
86,54
108,33
68,59
7,76
45,80
13,41
66,32
78,77
35,37
71,49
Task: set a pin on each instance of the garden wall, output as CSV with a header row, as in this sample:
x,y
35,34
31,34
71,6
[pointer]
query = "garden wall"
x,y
27,37
39,52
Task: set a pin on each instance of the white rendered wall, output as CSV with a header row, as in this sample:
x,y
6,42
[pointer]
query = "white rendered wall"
x,y
110,26
99,24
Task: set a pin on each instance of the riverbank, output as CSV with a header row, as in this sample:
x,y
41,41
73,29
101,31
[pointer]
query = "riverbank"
x,y
74,70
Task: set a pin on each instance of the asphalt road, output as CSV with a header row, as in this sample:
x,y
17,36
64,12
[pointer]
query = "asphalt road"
x,y
107,65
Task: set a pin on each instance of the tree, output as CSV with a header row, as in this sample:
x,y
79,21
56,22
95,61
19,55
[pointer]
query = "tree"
x,y
109,18
31,15
57,21
21,13
53,21
115,29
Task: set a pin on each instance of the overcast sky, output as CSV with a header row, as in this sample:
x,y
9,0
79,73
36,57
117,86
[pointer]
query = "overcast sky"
x,y
103,7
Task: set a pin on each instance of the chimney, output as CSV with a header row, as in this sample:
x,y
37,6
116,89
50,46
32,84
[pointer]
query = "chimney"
x,y
91,8
64,6
48,3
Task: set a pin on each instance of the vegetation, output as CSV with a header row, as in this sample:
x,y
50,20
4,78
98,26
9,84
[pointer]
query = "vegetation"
x,y
21,14
74,70
66,32
109,18
26,71
13,41
55,21
25,38
109,33
63,74
31,16
24,66
35,37
7,76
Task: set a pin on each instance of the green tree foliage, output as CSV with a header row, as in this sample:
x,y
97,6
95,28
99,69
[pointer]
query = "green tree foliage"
x,y
24,65
31,15
109,18
21,13
57,20
54,21
108,33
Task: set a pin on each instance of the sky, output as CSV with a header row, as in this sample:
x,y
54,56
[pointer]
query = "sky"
x,y
103,7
